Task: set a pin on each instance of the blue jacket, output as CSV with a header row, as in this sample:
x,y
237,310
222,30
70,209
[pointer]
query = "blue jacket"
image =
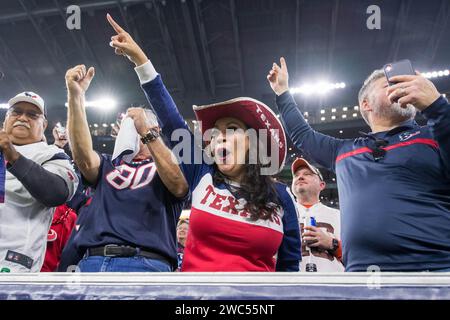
x,y
395,212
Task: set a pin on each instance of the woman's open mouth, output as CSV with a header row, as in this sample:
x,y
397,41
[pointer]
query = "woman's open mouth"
x,y
222,154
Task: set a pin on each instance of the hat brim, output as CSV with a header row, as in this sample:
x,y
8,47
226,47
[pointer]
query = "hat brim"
x,y
253,113
302,163
15,100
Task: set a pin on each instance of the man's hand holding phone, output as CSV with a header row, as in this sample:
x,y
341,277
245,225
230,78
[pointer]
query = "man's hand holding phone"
x,y
407,86
59,133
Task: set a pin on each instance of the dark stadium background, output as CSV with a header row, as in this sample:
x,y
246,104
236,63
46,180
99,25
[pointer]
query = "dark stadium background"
x,y
213,50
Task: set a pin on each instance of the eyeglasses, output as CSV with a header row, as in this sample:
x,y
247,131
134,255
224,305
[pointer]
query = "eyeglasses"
x,y
30,114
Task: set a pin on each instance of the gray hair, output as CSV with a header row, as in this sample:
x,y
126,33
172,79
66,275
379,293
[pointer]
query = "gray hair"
x,y
364,91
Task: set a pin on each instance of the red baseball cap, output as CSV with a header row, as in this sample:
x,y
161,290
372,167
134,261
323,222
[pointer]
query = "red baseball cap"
x,y
301,162
253,113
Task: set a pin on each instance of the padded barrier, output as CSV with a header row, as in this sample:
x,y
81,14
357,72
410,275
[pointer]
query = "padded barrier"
x,y
224,286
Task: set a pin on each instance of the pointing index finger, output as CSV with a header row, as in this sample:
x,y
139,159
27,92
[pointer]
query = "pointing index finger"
x,y
283,63
114,24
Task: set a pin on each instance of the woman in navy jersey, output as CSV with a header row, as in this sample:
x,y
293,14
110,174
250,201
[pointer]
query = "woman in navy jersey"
x,y
241,219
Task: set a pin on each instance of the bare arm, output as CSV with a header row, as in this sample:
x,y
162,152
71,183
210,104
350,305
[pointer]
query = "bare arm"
x,y
166,164
168,169
87,160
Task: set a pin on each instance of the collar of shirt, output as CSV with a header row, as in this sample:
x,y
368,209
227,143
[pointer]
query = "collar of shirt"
x,y
408,124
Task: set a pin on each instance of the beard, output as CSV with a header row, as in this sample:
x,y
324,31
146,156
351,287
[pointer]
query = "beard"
x,y
395,111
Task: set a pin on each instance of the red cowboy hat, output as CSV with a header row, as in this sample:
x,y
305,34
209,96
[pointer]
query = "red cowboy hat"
x,y
253,113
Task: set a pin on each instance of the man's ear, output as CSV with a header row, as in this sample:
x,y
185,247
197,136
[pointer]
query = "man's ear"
x,y
365,105
323,185
45,124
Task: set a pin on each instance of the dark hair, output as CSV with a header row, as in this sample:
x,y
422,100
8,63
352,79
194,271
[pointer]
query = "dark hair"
x,y
258,190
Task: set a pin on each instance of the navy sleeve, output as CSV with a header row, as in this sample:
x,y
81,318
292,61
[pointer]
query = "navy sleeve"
x,y
174,127
70,255
289,253
79,199
438,116
321,148
165,108
34,176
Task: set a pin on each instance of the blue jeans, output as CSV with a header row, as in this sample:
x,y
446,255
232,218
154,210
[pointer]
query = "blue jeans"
x,y
122,264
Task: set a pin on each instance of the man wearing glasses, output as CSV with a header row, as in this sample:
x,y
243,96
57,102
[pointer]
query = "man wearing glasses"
x,y
38,178
394,182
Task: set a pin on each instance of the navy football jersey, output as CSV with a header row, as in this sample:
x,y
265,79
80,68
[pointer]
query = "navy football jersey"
x,y
131,206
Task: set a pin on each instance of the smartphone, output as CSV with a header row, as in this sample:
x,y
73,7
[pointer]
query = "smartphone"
x,y
399,68
61,131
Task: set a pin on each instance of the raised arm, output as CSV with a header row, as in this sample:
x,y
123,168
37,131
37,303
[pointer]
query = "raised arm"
x,y
87,160
422,94
321,148
166,163
158,96
169,118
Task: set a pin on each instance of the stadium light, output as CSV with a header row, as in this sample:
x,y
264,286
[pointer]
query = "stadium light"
x,y
436,74
4,106
319,88
104,104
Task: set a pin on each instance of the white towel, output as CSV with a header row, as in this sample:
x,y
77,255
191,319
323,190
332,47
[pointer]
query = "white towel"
x,y
127,141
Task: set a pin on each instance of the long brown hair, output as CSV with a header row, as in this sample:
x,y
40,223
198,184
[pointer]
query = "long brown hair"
x,y
258,190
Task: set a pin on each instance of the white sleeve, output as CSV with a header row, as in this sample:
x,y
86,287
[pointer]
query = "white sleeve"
x,y
146,72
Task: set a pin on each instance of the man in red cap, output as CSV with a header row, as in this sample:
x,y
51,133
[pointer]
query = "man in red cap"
x,y
324,250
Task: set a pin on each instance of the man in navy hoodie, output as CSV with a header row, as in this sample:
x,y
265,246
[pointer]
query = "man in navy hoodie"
x,y
394,182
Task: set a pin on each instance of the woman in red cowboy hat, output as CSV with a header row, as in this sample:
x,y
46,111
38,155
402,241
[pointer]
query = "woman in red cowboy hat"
x,y
241,220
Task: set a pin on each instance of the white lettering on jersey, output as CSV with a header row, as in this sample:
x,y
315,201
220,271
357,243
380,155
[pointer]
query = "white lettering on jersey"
x,y
222,203
125,176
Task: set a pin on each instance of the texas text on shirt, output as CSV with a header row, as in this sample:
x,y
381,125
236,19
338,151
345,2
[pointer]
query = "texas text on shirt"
x,y
222,242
